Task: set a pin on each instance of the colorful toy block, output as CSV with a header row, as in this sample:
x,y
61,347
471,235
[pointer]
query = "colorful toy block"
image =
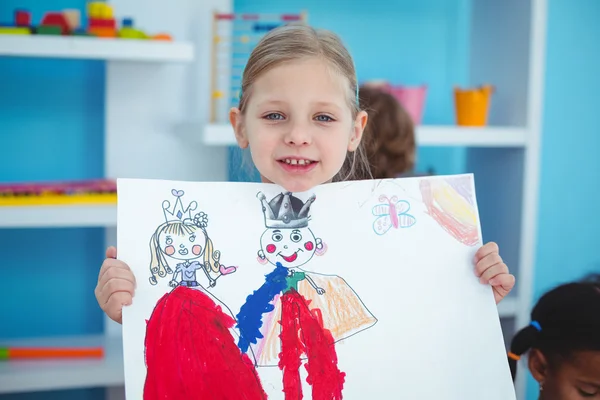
x,y
100,10
162,36
56,19
49,30
102,23
131,33
73,18
14,30
22,18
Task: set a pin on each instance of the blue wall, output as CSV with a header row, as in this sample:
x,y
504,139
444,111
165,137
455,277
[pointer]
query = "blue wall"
x,y
570,166
51,128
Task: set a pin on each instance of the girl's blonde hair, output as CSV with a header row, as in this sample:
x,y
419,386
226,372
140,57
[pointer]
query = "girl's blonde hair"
x,y
297,41
158,262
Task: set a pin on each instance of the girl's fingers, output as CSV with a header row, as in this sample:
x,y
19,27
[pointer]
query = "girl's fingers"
x,y
487,262
486,249
114,269
111,252
503,282
492,272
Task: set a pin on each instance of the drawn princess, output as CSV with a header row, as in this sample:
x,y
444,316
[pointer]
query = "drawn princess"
x,y
184,239
298,315
190,349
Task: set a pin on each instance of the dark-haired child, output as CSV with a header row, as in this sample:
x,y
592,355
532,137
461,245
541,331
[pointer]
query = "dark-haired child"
x,y
563,342
389,138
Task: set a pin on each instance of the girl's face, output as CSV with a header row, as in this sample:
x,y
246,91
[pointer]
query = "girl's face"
x,y
298,124
577,377
291,247
185,247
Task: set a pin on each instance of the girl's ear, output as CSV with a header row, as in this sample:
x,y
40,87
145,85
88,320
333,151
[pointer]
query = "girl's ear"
x,y
236,120
538,365
357,131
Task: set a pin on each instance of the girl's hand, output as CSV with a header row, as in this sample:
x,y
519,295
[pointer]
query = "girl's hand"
x,y
116,286
490,269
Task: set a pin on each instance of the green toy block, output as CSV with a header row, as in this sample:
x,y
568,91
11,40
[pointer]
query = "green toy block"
x,y
49,30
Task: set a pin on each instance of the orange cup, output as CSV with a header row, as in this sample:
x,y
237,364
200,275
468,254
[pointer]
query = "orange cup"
x,y
472,105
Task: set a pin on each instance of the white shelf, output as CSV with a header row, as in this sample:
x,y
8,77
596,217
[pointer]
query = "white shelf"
x,y
77,47
222,135
58,216
29,376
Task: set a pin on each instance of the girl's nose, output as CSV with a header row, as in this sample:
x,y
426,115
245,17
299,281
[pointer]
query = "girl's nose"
x,y
299,135
285,246
182,245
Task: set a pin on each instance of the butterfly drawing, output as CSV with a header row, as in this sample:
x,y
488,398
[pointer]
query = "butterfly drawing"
x,y
392,213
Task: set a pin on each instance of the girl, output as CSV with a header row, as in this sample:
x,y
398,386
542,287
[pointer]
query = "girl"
x,y
563,342
300,117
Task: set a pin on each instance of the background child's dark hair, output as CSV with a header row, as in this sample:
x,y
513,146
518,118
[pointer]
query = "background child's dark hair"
x,y
565,320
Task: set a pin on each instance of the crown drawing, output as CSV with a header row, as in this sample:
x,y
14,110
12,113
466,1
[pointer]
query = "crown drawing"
x,y
285,210
179,213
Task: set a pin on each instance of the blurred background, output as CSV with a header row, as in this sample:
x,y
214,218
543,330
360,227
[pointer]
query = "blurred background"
x,y
72,112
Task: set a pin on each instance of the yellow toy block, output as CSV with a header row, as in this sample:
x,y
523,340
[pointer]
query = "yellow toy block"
x,y
107,12
9,30
217,94
100,10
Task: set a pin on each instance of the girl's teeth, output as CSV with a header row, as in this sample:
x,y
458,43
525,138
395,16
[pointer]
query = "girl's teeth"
x,y
296,162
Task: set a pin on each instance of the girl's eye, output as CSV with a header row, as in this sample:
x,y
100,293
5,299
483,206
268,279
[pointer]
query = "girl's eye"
x,y
296,237
274,117
192,238
169,241
277,237
324,118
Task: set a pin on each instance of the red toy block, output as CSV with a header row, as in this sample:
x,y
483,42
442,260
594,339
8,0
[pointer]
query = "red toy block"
x,y
103,23
56,19
22,18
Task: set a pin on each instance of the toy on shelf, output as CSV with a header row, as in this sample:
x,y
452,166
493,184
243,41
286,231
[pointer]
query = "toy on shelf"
x,y
31,353
472,105
101,191
233,39
101,24
412,98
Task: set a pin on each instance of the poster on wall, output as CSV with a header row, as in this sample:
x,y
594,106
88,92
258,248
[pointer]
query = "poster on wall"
x,y
352,290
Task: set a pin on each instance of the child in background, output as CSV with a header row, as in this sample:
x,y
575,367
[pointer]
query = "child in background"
x,y
389,137
300,116
563,342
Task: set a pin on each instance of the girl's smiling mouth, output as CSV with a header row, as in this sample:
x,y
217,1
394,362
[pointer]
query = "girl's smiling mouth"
x,y
183,252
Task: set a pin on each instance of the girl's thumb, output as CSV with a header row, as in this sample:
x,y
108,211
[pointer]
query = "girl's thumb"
x,y
111,252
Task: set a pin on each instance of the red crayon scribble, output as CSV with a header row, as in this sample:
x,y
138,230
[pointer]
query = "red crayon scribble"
x,y
464,233
302,331
191,354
